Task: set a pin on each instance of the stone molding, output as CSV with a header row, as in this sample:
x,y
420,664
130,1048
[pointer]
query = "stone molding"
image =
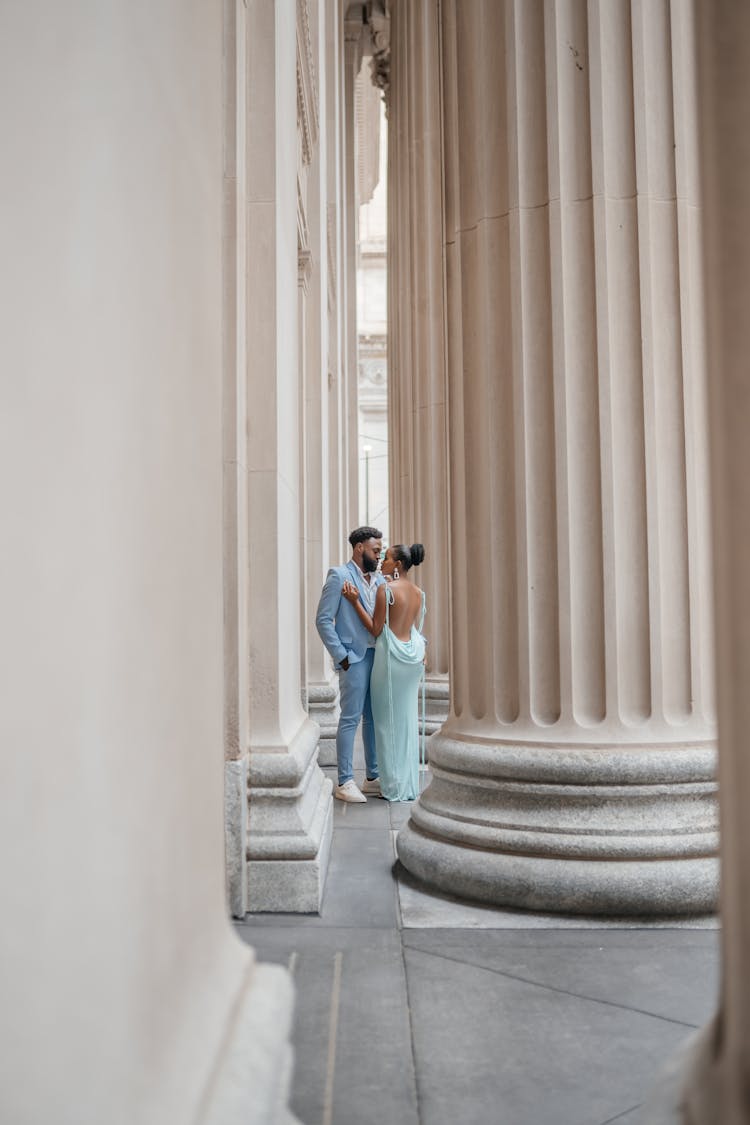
x,y
323,704
235,834
379,21
304,254
367,118
304,268
307,84
578,885
437,704
605,830
290,824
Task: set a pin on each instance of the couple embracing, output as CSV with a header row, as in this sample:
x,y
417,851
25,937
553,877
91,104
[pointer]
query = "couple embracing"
x,y
370,620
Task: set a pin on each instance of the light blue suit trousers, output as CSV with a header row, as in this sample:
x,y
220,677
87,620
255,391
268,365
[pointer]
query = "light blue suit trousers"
x,y
344,635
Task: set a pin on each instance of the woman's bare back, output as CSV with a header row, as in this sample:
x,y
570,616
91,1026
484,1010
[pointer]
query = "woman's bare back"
x,y
407,603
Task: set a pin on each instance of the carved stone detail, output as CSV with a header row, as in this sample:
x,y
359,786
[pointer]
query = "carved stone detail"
x,y
379,21
304,254
307,84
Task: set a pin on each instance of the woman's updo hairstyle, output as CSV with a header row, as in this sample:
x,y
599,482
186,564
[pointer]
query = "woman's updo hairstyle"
x,y
407,557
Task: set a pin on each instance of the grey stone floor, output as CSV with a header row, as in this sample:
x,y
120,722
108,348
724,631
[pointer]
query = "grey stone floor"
x,y
414,1009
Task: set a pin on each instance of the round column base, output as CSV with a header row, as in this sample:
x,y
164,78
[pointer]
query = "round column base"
x,y
575,830
562,886
437,704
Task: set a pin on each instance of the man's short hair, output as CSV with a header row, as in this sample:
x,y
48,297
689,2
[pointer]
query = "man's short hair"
x,y
360,534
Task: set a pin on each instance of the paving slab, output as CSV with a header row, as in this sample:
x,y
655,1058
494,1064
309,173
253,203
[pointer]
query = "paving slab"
x,y
279,944
352,1034
668,974
629,1117
375,1069
399,812
373,814
489,1049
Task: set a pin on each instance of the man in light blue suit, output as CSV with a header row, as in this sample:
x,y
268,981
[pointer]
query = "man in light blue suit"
x,y
352,648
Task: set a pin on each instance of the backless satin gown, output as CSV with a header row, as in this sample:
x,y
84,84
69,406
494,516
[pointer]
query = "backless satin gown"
x,y
394,690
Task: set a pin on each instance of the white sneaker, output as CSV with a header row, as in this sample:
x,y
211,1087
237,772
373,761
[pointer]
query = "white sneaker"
x,y
349,792
371,786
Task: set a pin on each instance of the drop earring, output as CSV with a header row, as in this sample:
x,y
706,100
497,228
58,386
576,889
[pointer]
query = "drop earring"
x,y
396,576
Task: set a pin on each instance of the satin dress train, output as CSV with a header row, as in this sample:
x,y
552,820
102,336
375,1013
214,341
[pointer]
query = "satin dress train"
x,y
394,690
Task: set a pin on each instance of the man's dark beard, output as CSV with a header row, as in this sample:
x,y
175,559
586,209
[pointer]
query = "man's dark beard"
x,y
369,564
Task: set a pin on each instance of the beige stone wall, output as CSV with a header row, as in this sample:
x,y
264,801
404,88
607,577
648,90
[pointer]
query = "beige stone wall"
x,y
124,990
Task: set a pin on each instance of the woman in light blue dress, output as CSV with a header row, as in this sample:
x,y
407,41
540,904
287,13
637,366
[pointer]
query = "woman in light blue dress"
x,y
397,671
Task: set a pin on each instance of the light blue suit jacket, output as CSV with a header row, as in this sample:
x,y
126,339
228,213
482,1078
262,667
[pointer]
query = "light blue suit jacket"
x,y
337,621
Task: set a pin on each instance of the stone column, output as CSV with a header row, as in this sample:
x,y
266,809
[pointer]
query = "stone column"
x,y
344,55
338,434
139,1004
337,481
416,360
575,772
717,1087
304,278
307,130
353,27
322,685
289,818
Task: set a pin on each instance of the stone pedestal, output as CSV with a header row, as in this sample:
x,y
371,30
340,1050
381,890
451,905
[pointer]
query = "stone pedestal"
x,y
576,771
290,827
323,705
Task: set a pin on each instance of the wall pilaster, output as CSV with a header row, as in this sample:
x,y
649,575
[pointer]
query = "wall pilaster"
x,y
289,802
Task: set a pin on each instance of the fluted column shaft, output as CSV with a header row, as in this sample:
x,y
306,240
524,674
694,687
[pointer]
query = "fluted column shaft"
x,y
578,759
348,291
322,686
338,484
416,363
